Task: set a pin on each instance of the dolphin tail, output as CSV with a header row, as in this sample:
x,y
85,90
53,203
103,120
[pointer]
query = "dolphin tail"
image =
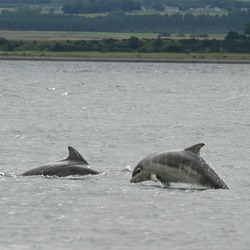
x,y
217,183
211,178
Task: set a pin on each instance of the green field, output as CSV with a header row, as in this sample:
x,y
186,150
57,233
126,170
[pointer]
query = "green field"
x,y
64,35
9,9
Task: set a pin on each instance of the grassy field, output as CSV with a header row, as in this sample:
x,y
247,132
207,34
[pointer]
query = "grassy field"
x,y
44,35
64,35
230,56
9,9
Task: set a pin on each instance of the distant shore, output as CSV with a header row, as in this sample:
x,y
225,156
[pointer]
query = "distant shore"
x,y
127,59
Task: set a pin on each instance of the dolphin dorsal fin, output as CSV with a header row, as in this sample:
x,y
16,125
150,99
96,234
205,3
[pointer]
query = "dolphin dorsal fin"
x,y
75,156
195,148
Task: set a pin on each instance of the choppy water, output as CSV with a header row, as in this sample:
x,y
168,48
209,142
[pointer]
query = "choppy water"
x,y
114,114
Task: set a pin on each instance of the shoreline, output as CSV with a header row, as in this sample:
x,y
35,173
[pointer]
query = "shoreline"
x,y
126,60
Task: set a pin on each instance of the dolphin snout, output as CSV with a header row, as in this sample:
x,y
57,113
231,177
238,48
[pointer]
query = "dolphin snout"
x,y
139,177
133,180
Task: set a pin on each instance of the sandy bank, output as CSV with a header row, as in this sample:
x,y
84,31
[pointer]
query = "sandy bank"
x,y
131,59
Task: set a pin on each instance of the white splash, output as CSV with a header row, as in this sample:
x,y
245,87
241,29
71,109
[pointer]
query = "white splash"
x,y
51,88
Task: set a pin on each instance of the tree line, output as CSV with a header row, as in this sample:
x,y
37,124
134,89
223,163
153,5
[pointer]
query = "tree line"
x,y
18,2
90,6
118,21
233,42
97,6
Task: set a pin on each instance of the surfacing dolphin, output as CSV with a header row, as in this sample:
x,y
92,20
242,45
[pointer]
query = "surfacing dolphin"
x,y
184,166
73,165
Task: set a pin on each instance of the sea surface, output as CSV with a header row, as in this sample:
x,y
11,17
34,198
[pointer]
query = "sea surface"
x,y
115,114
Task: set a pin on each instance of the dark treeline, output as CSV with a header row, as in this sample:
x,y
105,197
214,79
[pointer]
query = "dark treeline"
x,y
234,42
18,2
96,6
118,21
183,5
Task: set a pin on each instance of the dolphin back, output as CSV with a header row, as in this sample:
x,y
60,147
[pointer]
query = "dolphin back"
x,y
60,170
186,166
74,164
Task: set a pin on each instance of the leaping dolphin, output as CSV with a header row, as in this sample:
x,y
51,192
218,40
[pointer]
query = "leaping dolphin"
x,y
184,166
73,165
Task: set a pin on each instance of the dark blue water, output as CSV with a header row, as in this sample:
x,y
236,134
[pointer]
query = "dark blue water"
x,y
115,114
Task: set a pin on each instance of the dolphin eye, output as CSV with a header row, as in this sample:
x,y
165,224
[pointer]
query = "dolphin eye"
x,y
138,170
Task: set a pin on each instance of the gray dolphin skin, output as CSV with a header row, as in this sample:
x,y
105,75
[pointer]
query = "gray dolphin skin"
x,y
184,166
73,165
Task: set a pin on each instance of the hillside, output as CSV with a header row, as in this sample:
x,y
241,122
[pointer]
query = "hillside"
x,y
54,15
95,6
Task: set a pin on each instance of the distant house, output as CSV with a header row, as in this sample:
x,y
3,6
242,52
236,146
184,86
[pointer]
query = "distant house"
x,y
200,10
170,9
207,9
245,9
217,9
